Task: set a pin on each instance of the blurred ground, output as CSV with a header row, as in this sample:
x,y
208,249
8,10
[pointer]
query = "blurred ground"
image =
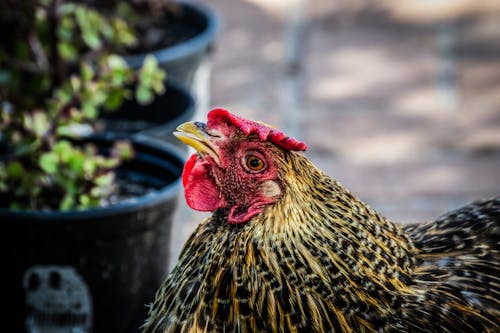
x,y
399,101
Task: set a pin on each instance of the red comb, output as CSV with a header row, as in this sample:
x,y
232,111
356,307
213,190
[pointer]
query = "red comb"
x,y
248,127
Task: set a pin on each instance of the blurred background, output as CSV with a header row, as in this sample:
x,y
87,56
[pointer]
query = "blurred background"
x,y
397,100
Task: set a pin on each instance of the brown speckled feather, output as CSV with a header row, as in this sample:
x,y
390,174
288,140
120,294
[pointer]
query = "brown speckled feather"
x,y
320,260
458,271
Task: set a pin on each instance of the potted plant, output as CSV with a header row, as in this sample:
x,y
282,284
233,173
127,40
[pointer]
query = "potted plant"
x,y
85,218
180,34
157,120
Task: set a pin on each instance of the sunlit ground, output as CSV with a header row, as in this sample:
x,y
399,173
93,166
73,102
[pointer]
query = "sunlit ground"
x,y
400,104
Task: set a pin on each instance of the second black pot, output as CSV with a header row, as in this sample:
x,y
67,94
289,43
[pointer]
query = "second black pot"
x,y
182,60
187,62
158,119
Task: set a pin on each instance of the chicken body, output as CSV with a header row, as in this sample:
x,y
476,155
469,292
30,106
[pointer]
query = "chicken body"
x,y
314,258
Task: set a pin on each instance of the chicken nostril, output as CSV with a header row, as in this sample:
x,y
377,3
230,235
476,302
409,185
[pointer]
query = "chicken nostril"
x,y
211,132
200,125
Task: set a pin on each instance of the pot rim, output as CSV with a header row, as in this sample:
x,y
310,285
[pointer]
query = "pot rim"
x,y
171,87
189,46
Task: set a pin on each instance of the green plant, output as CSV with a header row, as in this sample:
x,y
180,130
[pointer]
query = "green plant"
x,y
57,73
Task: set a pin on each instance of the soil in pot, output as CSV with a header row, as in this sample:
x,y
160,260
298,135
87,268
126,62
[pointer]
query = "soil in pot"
x,y
182,42
164,30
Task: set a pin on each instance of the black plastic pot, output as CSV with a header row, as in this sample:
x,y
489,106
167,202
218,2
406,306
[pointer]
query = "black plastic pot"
x,y
93,270
158,119
184,61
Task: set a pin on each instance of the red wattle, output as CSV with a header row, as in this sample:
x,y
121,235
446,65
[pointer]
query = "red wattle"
x,y
236,217
200,190
187,169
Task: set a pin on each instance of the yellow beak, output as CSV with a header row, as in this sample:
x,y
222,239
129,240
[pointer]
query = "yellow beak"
x,y
194,135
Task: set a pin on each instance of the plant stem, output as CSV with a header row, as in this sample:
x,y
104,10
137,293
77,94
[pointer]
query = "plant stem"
x,y
57,70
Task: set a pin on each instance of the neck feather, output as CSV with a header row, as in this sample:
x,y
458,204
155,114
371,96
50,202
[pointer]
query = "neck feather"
x,y
334,233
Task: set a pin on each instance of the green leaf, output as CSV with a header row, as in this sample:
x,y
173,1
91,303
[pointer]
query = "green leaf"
x,y
150,65
118,77
89,166
104,180
84,200
65,131
49,162
66,8
91,39
67,202
89,110
75,82
151,77
87,72
64,150
66,28
63,94
144,95
116,62
15,169
158,85
67,51
105,27
40,123
124,35
28,121
76,162
123,150
90,32
101,191
96,98
115,99
109,163
117,65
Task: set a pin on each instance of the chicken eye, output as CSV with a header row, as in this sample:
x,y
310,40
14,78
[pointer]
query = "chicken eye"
x,y
253,163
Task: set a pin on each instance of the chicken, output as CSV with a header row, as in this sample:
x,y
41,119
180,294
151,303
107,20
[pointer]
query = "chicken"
x,y
288,249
